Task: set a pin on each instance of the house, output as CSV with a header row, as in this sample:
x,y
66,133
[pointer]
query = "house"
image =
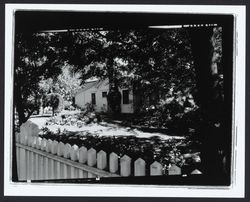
x,y
95,92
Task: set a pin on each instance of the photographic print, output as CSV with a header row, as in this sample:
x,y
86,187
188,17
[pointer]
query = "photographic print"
x,y
123,98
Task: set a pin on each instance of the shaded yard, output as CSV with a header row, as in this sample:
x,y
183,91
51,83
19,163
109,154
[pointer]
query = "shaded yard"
x,y
76,128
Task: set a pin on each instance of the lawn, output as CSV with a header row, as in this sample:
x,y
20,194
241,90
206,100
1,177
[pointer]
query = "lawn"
x,y
90,131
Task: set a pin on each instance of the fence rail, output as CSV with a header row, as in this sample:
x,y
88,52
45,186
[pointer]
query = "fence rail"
x,y
42,159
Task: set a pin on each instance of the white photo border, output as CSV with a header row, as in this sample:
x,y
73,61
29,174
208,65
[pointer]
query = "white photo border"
x,y
236,190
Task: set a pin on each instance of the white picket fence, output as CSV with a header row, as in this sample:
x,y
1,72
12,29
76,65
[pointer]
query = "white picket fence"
x,y
42,159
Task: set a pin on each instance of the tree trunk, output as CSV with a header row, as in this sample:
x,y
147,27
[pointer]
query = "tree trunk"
x,y
114,99
14,157
211,108
114,96
19,107
21,117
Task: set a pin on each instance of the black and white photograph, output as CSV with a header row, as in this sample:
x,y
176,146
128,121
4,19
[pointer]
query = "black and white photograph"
x,y
131,98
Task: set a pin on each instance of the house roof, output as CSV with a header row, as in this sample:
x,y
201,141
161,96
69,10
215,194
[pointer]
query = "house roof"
x,y
90,84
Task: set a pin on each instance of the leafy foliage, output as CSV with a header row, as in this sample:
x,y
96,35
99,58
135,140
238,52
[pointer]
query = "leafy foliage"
x,y
67,83
182,152
35,59
157,65
152,61
80,119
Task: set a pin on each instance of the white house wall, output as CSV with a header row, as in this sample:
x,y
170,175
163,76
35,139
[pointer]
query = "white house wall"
x,y
84,97
87,96
80,100
101,102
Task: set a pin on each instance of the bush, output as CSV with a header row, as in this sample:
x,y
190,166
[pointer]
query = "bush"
x,y
78,120
177,114
67,105
171,151
89,107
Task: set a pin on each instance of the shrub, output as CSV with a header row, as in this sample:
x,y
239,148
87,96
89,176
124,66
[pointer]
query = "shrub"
x,y
176,113
67,105
89,107
171,151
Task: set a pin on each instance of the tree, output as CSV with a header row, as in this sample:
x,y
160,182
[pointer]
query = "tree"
x,y
150,60
65,84
94,53
36,58
163,65
207,49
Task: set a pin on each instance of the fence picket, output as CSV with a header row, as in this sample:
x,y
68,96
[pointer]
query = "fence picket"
x,y
60,149
125,162
17,137
113,162
66,153
46,174
30,140
58,170
33,144
22,164
91,175
51,169
196,172
32,162
61,170
18,161
74,156
80,173
91,157
42,166
47,146
174,170
36,167
43,144
21,138
83,154
54,146
74,172
28,170
83,174
32,165
24,139
140,167
50,145
39,168
156,168
101,160
65,171
38,143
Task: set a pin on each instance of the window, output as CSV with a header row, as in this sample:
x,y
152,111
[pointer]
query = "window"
x,y
93,100
125,96
104,94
